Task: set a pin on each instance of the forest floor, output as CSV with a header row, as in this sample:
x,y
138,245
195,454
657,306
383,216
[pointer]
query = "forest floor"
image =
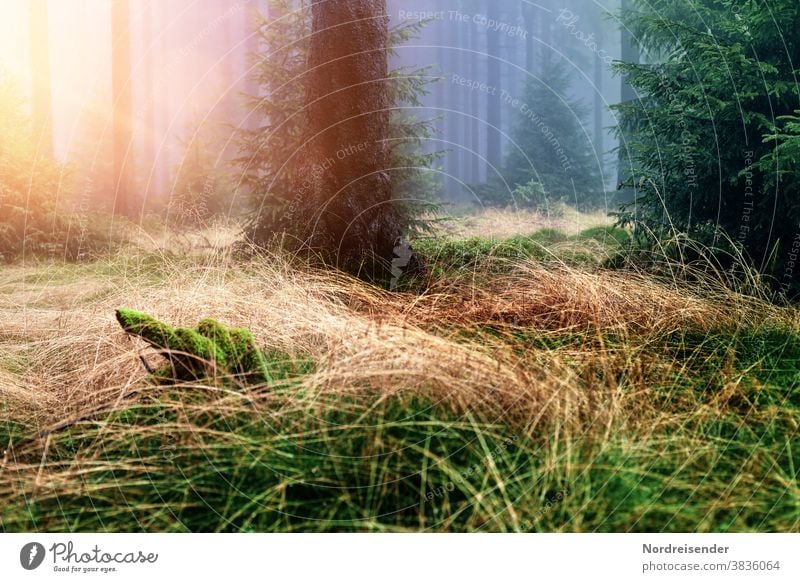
x,y
527,388
494,223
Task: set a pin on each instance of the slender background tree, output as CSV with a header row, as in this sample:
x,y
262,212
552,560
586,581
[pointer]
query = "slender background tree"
x,y
40,65
122,106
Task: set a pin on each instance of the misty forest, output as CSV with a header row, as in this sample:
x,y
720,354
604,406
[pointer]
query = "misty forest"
x,y
399,266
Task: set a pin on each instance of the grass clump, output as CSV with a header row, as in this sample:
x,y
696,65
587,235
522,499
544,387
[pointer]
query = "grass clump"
x,y
585,249
195,460
227,467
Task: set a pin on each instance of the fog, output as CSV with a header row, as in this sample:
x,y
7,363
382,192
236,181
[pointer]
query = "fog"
x,y
191,61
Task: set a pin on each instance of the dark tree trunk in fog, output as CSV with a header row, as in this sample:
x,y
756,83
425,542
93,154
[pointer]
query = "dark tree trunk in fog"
x,y
455,120
252,19
444,101
349,214
40,63
546,36
493,113
230,34
122,105
529,17
474,109
599,106
630,54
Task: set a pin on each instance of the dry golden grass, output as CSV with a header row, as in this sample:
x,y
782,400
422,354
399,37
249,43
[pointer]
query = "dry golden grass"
x,y
71,355
564,298
68,354
502,223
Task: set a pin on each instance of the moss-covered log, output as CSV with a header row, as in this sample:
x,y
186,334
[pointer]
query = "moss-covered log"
x,y
212,350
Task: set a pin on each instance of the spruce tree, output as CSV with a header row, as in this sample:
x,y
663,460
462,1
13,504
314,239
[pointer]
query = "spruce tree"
x,y
552,149
285,180
703,137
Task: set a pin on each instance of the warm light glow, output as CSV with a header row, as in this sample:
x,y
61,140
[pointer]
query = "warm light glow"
x,y
79,61
15,57
81,66
187,65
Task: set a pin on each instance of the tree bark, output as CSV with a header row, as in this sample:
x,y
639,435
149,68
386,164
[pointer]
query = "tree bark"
x,y
347,191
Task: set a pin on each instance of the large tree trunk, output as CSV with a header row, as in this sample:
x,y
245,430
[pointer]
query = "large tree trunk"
x,y
347,192
40,59
122,103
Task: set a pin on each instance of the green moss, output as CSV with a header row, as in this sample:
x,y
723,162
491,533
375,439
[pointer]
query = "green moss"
x,y
211,350
608,235
149,329
239,348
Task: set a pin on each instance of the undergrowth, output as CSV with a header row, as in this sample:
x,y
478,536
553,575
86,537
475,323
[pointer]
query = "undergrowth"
x,y
532,396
